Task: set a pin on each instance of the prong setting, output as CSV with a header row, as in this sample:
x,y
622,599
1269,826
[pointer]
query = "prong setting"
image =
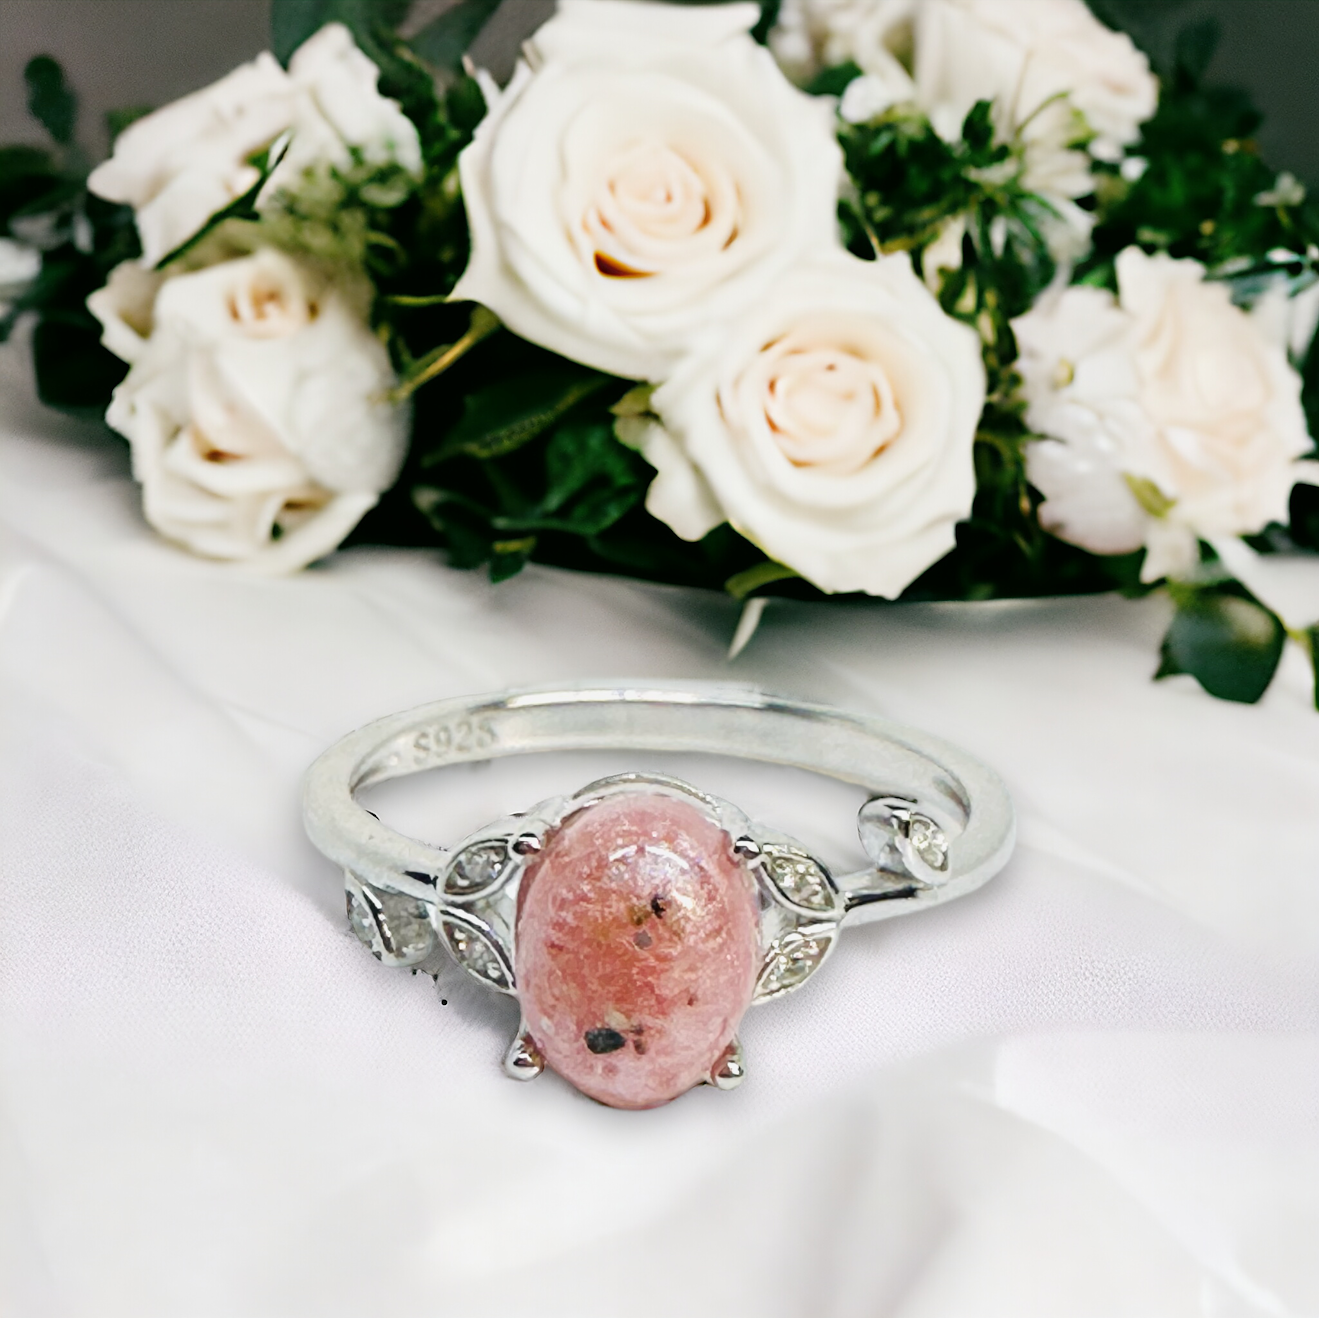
x,y
523,1060
729,1069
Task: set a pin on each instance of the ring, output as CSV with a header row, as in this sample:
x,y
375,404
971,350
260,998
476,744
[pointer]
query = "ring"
x,y
637,919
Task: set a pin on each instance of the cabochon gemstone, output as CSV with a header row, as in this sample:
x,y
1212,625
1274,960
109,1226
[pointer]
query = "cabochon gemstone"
x,y
637,948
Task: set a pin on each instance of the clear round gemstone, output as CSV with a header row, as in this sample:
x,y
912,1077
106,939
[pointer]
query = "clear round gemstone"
x,y
477,867
791,959
475,954
799,878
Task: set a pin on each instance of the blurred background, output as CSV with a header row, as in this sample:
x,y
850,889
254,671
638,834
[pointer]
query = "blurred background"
x,y
146,52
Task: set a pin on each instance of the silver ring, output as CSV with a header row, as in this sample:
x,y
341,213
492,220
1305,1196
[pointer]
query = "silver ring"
x,y
636,919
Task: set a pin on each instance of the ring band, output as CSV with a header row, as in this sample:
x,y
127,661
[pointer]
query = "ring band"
x,y
605,911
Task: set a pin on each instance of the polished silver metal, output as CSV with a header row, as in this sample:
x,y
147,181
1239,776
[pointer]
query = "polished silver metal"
x,y
937,823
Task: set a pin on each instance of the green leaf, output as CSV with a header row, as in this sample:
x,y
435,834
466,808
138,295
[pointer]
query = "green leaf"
x,y
833,81
769,15
578,454
741,584
509,557
1230,645
123,117
504,416
1312,644
293,21
444,41
74,372
1194,49
50,100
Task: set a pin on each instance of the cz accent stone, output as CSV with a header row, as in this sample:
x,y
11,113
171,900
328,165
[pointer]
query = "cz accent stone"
x,y
474,953
792,958
928,841
476,867
799,878
397,927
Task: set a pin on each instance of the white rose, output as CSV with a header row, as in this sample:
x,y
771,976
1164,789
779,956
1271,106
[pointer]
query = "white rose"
x,y
875,35
253,407
832,426
178,166
655,173
1172,415
1022,54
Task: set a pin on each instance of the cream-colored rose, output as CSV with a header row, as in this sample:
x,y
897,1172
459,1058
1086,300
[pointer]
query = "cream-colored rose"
x,y
254,407
1023,54
648,173
1172,415
832,426
178,166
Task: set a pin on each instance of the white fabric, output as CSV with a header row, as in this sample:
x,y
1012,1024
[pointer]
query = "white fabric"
x,y
1090,1089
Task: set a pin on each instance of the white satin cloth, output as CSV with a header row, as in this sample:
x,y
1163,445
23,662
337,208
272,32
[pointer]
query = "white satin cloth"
x,y
1091,1088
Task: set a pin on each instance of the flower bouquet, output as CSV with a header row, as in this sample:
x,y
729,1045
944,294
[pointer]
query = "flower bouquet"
x,y
905,299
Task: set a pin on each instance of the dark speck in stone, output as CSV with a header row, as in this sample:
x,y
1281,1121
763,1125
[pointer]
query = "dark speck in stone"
x,y
658,906
642,939
639,1045
604,1040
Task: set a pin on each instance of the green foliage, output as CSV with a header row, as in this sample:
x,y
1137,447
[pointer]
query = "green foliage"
x,y
444,41
910,184
1229,643
1206,193
372,23
50,100
124,117
43,201
498,420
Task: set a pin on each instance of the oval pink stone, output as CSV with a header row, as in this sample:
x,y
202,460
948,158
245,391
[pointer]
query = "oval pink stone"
x,y
637,948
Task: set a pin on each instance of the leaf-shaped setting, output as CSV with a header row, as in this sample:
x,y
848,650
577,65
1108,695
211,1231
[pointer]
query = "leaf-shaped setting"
x,y
394,926
477,868
896,835
476,953
802,881
792,958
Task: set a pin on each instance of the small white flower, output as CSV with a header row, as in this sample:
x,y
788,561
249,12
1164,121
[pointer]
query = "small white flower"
x,y
654,174
181,164
1172,415
832,426
868,96
875,35
254,407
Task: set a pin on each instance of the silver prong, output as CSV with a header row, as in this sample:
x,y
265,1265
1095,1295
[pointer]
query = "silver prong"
x,y
730,1070
746,848
527,844
523,1061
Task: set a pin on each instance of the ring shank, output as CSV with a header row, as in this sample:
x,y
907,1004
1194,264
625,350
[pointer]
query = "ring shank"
x,y
882,757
